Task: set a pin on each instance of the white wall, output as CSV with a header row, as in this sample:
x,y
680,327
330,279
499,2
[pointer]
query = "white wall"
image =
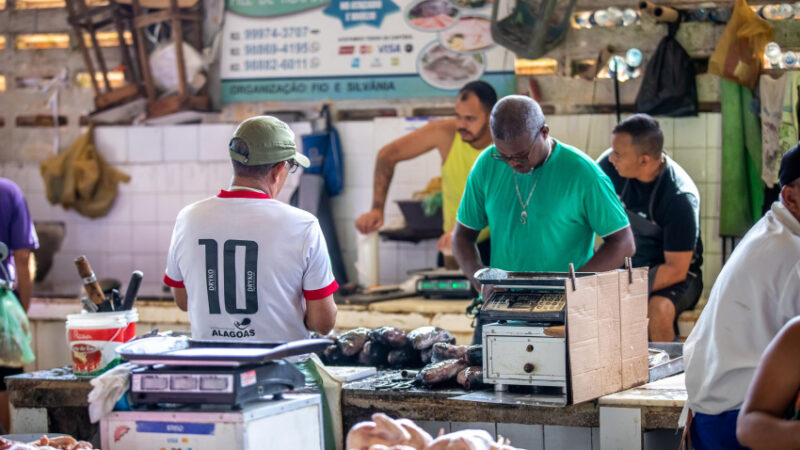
x,y
173,166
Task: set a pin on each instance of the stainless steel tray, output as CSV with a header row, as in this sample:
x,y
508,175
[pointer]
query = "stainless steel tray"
x,y
499,276
180,351
671,367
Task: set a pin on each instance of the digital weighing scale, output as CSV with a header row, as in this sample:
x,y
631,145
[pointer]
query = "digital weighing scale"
x,y
183,371
443,284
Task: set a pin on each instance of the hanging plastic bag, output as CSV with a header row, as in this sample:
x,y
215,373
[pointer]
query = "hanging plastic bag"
x,y
324,150
739,52
164,66
668,87
15,332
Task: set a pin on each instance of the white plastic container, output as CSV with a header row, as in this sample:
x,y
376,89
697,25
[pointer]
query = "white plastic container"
x,y
94,337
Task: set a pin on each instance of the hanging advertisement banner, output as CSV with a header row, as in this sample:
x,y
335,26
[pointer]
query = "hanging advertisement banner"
x,y
359,49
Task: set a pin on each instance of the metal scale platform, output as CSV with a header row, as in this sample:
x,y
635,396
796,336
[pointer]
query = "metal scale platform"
x,y
184,371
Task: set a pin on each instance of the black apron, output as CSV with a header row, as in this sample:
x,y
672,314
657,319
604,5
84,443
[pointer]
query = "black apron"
x,y
647,230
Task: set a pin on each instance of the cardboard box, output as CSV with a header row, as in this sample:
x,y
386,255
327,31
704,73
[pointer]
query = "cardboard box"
x,y
606,329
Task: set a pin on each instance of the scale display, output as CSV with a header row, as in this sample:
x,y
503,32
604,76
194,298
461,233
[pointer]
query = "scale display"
x,y
182,383
442,283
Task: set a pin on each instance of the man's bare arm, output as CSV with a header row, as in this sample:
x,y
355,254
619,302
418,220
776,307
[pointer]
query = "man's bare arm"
x,y
674,269
23,263
774,387
181,298
612,252
435,135
466,252
321,315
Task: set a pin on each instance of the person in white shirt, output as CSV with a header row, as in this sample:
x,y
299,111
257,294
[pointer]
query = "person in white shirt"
x,y
756,293
248,267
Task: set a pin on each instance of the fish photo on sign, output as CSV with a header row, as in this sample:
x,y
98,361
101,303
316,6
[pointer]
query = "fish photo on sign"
x,y
431,15
471,34
445,69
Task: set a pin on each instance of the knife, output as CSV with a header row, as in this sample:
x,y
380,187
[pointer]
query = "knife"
x,y
133,289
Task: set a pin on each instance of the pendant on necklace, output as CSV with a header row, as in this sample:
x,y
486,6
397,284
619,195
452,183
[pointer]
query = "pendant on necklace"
x,y
523,217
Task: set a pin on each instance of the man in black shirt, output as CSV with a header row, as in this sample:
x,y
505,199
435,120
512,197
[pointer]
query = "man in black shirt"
x,y
663,206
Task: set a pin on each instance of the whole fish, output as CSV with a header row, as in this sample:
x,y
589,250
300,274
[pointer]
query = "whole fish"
x,y
332,355
471,377
373,354
443,351
389,336
403,357
441,371
424,337
474,355
425,355
351,342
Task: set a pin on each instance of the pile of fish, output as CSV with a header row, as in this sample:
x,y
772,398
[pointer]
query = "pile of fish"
x,y
459,362
390,347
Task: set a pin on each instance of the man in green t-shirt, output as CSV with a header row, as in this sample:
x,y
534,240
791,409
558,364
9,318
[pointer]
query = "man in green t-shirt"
x,y
543,200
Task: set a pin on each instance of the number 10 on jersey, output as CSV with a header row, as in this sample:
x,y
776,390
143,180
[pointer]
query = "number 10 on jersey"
x,y
249,280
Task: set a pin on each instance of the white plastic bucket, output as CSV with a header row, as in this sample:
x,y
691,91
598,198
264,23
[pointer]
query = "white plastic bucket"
x,y
94,337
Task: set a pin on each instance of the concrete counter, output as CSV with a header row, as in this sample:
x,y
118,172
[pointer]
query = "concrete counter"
x,y
56,401
616,421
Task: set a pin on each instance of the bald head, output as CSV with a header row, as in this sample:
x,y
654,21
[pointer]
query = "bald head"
x,y
514,116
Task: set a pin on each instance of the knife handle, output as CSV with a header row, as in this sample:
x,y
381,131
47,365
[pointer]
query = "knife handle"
x,y
132,290
90,283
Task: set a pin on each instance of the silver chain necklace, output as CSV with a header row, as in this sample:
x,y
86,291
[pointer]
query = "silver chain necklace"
x,y
523,217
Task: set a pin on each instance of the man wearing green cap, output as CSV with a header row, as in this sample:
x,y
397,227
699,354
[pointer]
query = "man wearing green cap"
x,y
248,267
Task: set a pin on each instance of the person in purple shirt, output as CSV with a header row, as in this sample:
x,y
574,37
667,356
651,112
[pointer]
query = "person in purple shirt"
x,y
18,234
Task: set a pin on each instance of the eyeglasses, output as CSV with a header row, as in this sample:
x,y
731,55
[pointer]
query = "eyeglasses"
x,y
508,159
517,159
293,165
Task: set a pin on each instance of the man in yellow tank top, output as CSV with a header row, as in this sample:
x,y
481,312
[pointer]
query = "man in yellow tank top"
x,y
459,141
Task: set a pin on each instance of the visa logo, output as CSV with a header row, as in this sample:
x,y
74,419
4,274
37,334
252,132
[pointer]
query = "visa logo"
x,y
389,48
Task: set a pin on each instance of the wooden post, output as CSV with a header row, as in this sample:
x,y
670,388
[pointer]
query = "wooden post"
x,y
177,38
97,51
130,72
87,59
144,62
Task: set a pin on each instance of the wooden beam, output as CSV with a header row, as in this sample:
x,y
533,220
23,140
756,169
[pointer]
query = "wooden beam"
x,y
161,16
177,38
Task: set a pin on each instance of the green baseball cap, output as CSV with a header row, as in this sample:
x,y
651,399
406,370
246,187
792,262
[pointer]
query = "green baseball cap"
x,y
268,141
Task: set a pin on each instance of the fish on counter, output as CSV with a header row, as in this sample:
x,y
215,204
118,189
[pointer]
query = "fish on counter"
x,y
426,355
403,357
443,351
440,372
351,342
390,337
373,354
424,337
431,347
470,378
474,355
333,355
